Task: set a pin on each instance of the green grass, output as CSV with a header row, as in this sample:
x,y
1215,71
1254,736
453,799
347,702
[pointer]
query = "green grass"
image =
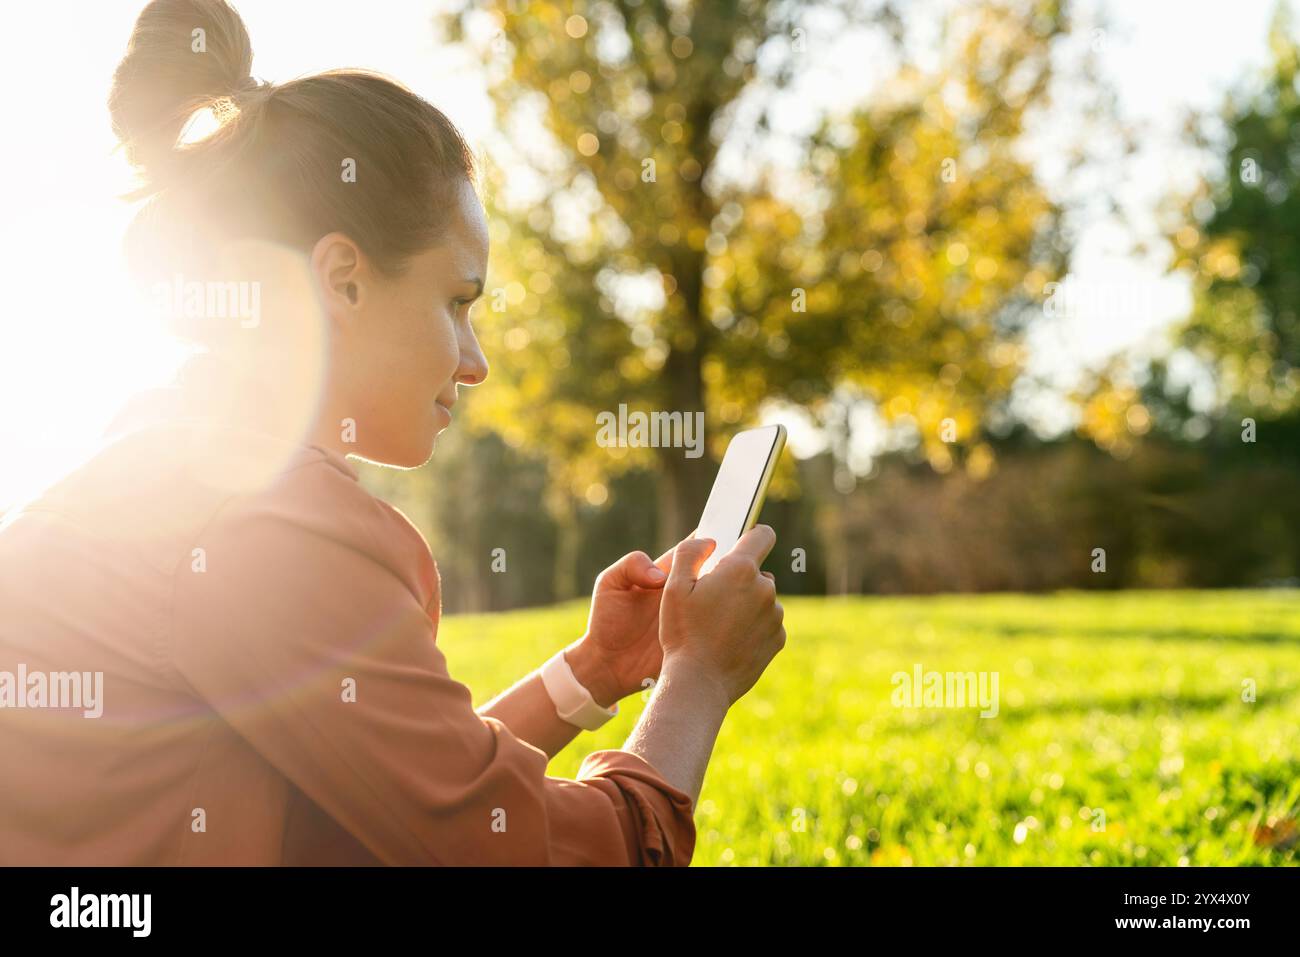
x,y
1130,703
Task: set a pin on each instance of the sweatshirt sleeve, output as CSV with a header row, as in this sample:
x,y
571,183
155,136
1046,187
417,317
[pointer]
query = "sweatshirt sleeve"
x,y
309,631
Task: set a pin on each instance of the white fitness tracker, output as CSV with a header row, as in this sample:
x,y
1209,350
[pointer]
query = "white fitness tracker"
x,y
572,701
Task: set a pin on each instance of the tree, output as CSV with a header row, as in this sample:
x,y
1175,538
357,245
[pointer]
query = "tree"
x,y
628,270
1237,241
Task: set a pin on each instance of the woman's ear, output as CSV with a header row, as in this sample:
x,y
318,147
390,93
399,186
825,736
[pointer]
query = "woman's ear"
x,y
336,268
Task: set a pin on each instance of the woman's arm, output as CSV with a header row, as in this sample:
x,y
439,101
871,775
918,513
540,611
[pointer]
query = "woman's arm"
x,y
304,640
528,711
679,727
614,657
675,733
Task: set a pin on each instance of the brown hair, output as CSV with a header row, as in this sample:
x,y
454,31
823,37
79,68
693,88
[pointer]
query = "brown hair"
x,y
274,168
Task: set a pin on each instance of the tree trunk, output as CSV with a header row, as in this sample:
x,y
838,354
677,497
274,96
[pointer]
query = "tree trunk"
x,y
683,489
566,551
684,483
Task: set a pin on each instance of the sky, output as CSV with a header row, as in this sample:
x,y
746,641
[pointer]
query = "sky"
x,y
73,345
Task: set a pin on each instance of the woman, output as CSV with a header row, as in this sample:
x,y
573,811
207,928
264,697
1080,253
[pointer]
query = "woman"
x,y
258,630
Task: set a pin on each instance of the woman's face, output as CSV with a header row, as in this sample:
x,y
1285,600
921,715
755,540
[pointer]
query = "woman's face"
x,y
409,344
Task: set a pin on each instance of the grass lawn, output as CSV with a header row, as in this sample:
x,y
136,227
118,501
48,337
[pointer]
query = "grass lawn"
x,y
1117,709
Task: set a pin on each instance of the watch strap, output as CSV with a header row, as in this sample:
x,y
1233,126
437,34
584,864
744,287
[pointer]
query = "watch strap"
x,y
572,701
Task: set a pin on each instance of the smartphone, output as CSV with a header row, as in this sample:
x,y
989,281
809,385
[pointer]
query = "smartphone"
x,y
739,489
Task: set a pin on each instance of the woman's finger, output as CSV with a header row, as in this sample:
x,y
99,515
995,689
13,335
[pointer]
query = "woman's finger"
x,y
634,568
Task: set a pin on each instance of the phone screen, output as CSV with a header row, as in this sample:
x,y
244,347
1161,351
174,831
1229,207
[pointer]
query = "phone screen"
x,y
739,489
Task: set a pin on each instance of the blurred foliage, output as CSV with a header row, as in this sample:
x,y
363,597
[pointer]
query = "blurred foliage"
x,y
1169,514
937,242
1238,242
921,246
898,259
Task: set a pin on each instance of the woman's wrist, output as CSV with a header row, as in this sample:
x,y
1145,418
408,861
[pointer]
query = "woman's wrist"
x,y
682,670
593,673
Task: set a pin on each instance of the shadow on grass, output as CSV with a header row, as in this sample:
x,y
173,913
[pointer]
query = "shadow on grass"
x,y
1154,703
1182,633
1127,705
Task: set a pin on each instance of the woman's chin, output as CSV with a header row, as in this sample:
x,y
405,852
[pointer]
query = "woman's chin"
x,y
410,453
424,451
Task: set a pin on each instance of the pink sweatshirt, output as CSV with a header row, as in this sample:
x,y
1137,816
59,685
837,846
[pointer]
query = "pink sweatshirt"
x,y
272,690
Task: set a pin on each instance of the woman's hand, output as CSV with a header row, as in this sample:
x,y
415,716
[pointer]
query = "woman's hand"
x,y
621,646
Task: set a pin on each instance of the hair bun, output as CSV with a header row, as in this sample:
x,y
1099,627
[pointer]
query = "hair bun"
x,y
182,55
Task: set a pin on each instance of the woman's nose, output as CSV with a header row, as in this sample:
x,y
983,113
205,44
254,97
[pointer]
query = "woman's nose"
x,y
473,364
